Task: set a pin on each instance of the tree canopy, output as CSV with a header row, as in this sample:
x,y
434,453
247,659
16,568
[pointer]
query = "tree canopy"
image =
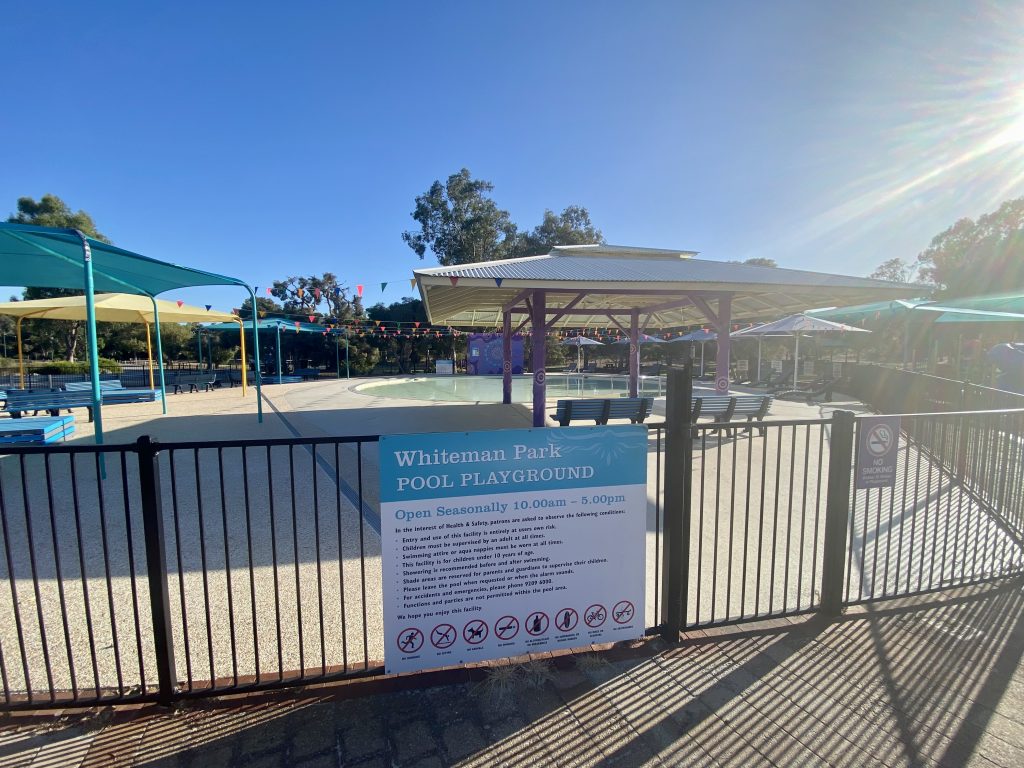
x,y
571,227
459,223
973,258
895,270
307,295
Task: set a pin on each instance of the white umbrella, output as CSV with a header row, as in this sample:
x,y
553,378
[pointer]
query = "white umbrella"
x,y
579,342
700,336
798,325
760,339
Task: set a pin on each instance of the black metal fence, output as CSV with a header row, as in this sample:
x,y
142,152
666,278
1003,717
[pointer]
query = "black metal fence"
x,y
269,550
270,577
893,390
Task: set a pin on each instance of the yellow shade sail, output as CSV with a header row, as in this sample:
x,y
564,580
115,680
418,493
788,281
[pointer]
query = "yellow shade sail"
x,y
113,308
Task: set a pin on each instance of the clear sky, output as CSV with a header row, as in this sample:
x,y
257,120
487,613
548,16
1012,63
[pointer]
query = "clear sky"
x,y
263,140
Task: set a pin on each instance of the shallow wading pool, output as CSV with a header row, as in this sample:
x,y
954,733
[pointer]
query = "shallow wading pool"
x,y
487,389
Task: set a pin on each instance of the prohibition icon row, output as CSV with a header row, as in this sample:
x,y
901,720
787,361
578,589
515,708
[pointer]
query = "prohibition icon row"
x,y
507,627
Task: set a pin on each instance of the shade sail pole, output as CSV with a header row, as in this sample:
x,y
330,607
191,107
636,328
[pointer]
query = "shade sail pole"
x,y
149,356
256,356
21,358
348,343
91,341
159,354
241,342
278,328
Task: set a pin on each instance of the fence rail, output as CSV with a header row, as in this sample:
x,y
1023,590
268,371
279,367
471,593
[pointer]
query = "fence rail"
x,y
150,572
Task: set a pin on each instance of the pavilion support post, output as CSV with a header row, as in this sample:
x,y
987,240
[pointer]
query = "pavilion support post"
x,y
722,360
241,344
634,351
506,357
92,343
159,355
539,356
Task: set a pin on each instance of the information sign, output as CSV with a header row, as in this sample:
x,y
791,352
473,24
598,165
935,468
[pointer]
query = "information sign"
x,y
742,367
877,451
508,542
777,366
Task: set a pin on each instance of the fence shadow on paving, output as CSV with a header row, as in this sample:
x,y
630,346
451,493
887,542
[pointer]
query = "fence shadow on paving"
x,y
271,556
897,684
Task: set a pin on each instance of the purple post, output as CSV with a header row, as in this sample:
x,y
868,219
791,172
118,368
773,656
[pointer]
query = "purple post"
x,y
538,321
724,328
634,351
506,357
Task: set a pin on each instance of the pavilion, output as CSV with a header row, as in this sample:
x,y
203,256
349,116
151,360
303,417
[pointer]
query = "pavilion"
x,y
632,289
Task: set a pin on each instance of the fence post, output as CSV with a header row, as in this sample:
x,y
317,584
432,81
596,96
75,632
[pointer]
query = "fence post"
x,y
675,574
156,566
837,512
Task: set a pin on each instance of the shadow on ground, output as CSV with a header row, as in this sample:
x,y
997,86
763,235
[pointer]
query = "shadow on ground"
x,y
909,683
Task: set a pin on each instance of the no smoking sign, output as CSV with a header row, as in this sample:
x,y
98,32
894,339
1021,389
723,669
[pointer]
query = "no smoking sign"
x,y
877,451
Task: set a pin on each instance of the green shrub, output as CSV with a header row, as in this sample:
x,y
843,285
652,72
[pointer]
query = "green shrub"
x,y
65,367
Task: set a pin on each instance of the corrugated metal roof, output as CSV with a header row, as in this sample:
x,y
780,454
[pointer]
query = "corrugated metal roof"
x,y
618,277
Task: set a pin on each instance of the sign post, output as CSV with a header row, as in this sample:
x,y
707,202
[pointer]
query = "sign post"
x,y
877,450
508,542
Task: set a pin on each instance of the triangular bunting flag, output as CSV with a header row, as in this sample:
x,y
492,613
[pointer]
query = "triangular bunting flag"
x,y
455,280
383,286
417,323
312,318
297,325
359,290
300,291
316,292
497,281
412,282
180,303
209,307
337,291
262,313
377,323
268,292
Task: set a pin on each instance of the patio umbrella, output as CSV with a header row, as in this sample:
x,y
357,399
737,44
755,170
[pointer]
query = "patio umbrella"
x,y
701,336
760,339
800,325
579,342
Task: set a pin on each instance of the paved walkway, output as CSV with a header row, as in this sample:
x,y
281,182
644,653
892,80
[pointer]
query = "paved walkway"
x,y
934,681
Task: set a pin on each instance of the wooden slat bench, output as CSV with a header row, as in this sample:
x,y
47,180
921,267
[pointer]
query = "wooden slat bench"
x,y
636,409
727,408
51,401
307,373
36,429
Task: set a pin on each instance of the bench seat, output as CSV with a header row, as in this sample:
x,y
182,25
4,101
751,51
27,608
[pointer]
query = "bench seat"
x,y
636,409
51,401
115,393
36,429
307,373
191,380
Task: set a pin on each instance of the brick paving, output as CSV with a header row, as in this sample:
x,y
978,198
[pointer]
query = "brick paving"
x,y
933,680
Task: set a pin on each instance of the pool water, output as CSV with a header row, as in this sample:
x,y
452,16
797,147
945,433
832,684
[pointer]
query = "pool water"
x,y
487,389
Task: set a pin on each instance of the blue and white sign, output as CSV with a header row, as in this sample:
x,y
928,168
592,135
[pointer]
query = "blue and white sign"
x,y
877,450
508,542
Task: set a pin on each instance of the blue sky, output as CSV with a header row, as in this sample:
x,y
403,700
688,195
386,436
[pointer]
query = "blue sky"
x,y
261,140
